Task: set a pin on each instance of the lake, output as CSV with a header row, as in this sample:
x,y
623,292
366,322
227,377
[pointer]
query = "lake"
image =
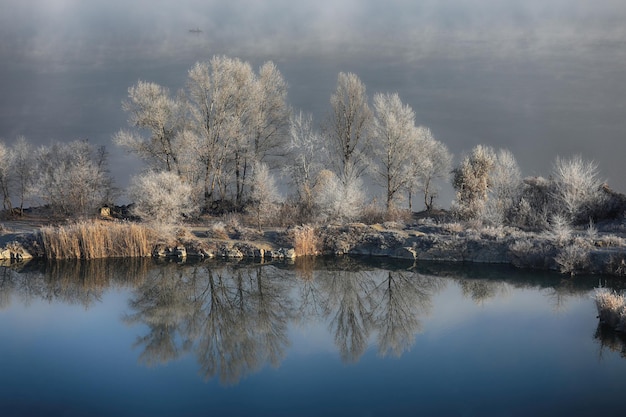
x,y
349,337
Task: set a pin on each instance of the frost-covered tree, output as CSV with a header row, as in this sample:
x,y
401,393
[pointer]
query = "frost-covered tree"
x,y
577,188
471,180
22,163
5,175
347,128
217,92
338,201
161,198
264,195
505,187
393,136
304,160
73,178
227,119
431,162
153,110
270,113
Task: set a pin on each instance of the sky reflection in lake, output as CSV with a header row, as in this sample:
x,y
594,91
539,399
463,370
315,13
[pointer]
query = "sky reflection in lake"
x,y
344,338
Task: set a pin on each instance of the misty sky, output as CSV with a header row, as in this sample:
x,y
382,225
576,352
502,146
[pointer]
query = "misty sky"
x,y
540,77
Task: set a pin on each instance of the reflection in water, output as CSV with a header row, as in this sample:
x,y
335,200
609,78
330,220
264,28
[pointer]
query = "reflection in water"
x,y
346,304
235,318
481,291
610,339
70,282
398,301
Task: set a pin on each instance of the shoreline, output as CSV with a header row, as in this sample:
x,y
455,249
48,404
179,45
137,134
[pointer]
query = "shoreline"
x,y
604,254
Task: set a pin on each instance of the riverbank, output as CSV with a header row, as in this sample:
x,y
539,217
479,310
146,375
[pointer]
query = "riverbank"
x,y
575,252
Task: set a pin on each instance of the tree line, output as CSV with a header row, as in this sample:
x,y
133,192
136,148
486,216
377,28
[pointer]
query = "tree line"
x,y
221,143
225,135
73,178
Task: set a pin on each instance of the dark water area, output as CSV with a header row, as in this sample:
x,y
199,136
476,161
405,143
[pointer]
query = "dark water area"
x,y
349,337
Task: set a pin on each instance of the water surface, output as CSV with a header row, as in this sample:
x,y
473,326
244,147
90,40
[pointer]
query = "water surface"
x,y
325,337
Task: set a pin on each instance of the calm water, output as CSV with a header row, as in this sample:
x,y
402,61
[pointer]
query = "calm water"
x,y
133,338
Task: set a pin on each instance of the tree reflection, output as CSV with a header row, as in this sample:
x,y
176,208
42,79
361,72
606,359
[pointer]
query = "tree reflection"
x,y
482,290
360,303
233,318
70,282
559,295
162,302
610,339
347,305
398,302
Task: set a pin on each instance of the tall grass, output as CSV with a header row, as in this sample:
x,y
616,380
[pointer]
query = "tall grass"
x,y
94,240
611,308
305,240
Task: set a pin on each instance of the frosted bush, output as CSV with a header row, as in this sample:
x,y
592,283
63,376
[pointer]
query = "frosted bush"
x,y
338,201
578,187
560,229
161,198
573,258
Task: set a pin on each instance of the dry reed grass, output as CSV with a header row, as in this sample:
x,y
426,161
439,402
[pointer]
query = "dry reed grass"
x,y
611,308
95,240
305,240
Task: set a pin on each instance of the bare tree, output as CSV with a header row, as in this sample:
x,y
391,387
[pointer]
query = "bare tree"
x,y
347,128
430,162
213,97
6,158
270,114
264,194
73,178
393,135
304,160
505,186
239,118
151,108
577,187
212,134
22,167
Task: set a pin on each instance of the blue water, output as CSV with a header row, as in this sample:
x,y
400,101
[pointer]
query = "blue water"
x,y
335,338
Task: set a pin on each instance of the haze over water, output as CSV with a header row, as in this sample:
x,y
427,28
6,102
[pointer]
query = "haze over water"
x,y
542,78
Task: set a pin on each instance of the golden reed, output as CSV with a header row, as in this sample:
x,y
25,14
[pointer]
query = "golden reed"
x,y
95,240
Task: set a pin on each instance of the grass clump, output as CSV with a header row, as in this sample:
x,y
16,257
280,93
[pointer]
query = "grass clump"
x,y
95,240
305,240
611,308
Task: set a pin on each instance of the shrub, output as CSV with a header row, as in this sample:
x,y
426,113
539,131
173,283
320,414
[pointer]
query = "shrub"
x,y
471,181
337,200
573,258
217,231
532,253
592,230
560,229
161,198
578,188
610,241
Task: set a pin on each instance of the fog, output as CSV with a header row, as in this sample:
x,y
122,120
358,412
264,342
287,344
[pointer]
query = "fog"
x,y
540,77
